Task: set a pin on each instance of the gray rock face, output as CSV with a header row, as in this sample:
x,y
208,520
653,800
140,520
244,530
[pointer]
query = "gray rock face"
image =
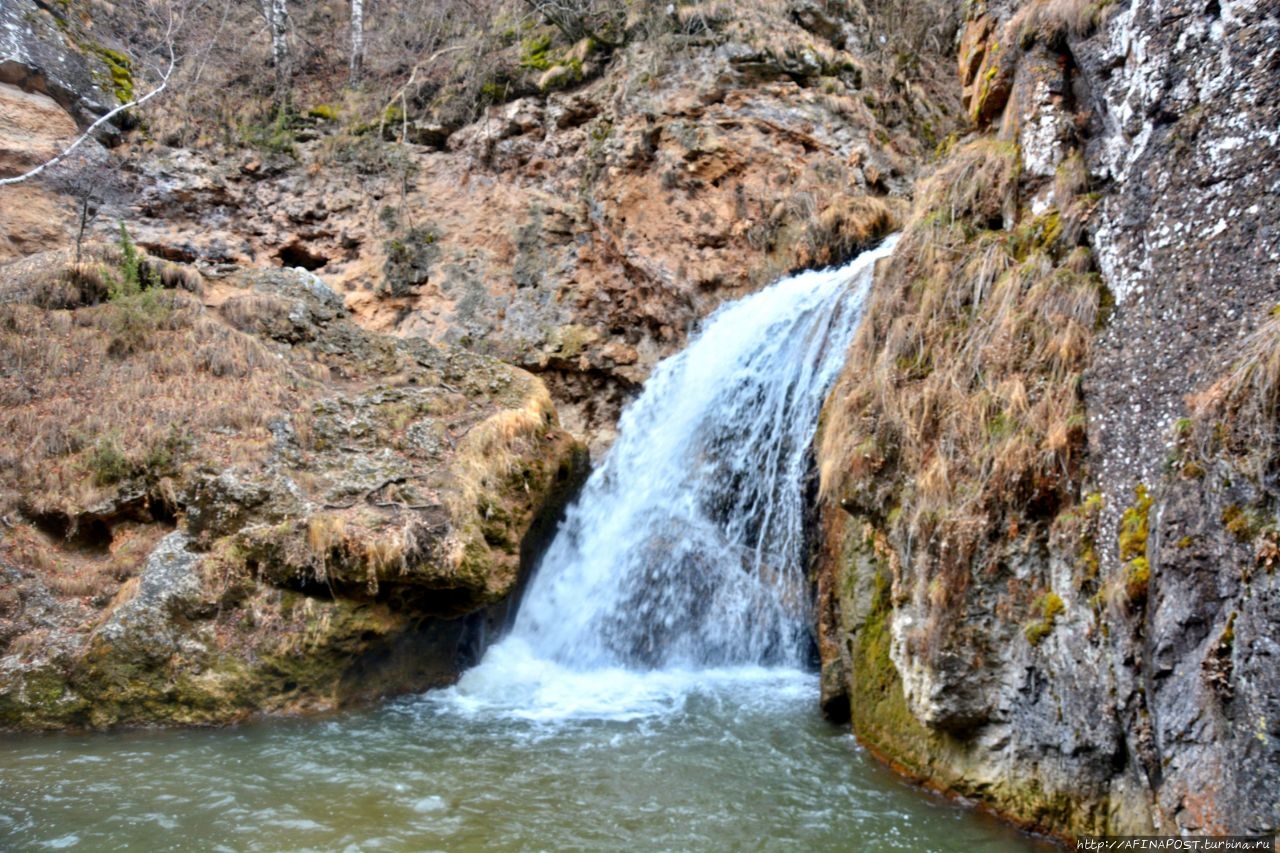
x,y
1211,673
1185,105
1109,666
35,57
169,586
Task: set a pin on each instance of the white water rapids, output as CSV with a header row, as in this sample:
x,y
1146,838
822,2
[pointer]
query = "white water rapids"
x,y
683,560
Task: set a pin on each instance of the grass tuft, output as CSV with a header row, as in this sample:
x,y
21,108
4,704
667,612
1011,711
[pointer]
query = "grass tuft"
x,y
964,378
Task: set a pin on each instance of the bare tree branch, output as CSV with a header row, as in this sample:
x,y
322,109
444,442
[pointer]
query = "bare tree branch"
x,y
401,93
105,117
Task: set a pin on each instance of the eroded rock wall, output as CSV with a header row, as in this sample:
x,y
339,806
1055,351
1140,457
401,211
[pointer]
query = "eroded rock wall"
x,y
582,230
255,488
225,498
1051,464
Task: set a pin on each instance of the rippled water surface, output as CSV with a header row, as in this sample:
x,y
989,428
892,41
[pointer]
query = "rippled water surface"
x,y
720,760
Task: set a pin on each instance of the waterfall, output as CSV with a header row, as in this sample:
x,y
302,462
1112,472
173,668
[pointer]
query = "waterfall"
x,y
686,547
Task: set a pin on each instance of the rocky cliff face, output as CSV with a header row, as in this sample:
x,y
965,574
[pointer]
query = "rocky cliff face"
x,y
580,231
50,90
1049,473
1052,507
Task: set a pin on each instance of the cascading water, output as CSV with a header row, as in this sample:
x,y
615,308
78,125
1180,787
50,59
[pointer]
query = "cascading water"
x,y
649,697
686,547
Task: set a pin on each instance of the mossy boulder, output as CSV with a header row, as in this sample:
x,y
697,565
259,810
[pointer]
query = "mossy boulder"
x,y
352,543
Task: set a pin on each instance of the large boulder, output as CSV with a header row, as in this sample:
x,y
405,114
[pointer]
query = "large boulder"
x,y
281,512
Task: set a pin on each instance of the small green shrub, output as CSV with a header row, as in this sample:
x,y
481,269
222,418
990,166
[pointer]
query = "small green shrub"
x,y
107,462
132,276
275,137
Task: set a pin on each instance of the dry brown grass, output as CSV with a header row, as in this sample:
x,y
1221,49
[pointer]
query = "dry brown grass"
x,y
491,450
977,186
329,539
71,571
253,311
64,280
1050,22
370,548
130,390
1240,413
964,378
846,227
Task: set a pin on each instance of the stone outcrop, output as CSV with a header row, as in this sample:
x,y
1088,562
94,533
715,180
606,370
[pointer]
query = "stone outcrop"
x,y
51,88
33,128
1047,580
41,52
582,232
274,510
254,499
1046,575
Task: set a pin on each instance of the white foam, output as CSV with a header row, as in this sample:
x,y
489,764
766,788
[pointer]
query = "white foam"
x,y
514,682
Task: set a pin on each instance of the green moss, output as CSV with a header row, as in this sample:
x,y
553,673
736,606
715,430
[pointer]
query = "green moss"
x,y
1039,234
535,53
1089,562
1137,579
1241,523
496,526
1050,606
493,91
1134,531
561,75
1133,526
1228,636
119,70
878,705
324,112
42,699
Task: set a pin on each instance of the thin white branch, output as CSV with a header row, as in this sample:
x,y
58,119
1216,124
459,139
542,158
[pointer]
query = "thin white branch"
x,y
103,119
402,92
